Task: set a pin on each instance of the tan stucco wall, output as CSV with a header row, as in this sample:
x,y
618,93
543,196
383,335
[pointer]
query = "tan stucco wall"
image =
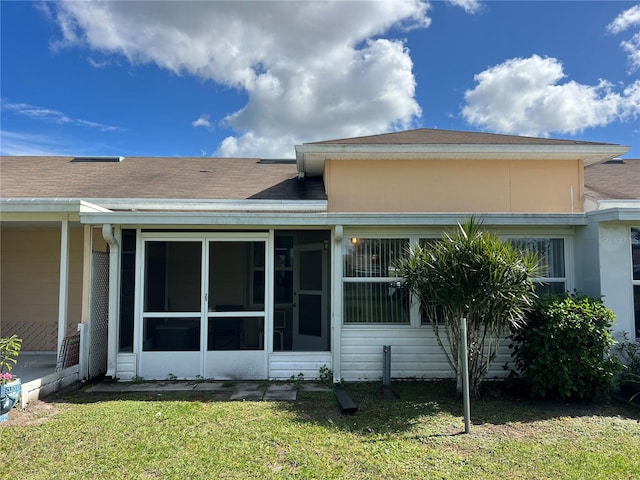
x,y
453,185
29,278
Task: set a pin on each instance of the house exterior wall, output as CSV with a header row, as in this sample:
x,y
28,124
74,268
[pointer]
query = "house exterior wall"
x,y
597,260
30,274
454,186
415,354
284,365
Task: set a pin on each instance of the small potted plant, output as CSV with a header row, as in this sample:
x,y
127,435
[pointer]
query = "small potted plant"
x,y
10,386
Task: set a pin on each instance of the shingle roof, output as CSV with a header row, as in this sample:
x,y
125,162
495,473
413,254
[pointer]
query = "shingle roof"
x,y
221,178
155,177
613,180
452,137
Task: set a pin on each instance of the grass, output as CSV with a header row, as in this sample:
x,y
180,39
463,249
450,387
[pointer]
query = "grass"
x,y
83,436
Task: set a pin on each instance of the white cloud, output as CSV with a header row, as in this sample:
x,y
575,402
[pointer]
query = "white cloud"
x,y
469,6
630,18
97,63
53,116
627,19
311,70
30,144
202,121
252,145
632,47
524,96
51,143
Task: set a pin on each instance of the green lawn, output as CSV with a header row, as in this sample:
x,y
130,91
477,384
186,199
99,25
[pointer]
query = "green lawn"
x,y
184,436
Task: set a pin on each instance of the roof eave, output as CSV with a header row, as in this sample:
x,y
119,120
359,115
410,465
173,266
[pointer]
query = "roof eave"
x,y
108,205
48,205
615,214
311,157
325,219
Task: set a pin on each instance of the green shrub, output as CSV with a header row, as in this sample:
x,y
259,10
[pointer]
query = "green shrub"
x,y
563,352
629,379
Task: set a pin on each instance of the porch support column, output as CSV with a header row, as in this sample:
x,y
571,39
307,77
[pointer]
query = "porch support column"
x,y
111,235
86,272
63,291
336,300
269,321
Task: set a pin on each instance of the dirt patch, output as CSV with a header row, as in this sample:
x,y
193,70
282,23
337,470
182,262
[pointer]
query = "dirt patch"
x,y
37,412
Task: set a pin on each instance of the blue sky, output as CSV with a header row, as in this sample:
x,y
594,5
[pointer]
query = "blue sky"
x,y
253,79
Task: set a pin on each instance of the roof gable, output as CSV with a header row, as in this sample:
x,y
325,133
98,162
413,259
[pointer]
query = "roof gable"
x,y
431,136
435,144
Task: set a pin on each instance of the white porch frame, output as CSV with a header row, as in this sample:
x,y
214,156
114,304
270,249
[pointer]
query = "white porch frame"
x,y
63,290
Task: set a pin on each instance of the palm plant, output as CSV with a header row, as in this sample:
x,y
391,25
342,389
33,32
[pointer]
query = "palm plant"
x,y
470,273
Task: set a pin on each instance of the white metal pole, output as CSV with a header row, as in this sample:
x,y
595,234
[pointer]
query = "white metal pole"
x,y
63,292
465,374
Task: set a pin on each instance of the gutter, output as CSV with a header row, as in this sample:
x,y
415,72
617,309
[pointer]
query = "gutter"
x,y
282,219
75,205
48,205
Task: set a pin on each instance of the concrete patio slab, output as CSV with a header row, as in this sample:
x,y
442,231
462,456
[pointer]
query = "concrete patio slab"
x,y
160,387
247,385
251,391
211,387
314,387
107,387
34,365
281,387
281,395
252,395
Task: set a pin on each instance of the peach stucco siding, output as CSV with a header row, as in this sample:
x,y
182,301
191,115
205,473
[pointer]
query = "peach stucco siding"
x,y
30,274
454,186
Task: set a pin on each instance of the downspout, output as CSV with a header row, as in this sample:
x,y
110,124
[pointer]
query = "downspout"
x,y
114,274
336,308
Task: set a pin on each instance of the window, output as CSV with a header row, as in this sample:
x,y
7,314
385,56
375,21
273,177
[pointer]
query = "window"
x,y
371,285
552,277
373,291
635,259
551,251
